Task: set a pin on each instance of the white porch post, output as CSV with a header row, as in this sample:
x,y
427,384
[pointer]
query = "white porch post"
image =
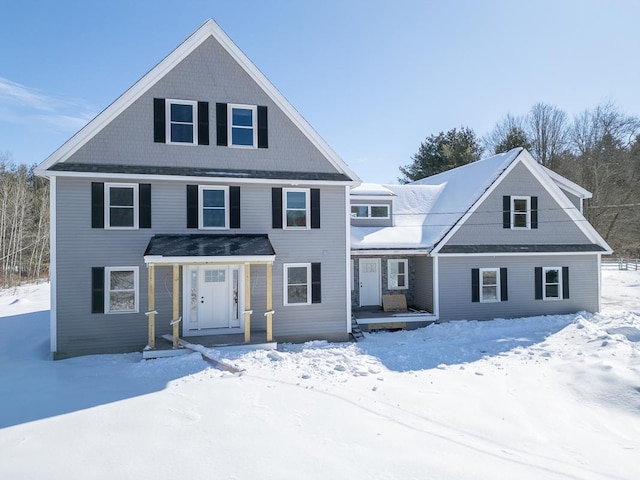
x,y
269,303
152,305
176,305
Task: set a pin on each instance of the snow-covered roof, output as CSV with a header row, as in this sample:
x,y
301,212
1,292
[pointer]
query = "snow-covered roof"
x,y
425,210
371,190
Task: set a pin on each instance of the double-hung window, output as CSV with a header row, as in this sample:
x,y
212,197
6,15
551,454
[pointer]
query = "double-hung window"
x,y
242,125
296,208
121,292
397,274
369,211
182,122
121,205
521,212
214,203
489,285
552,283
297,284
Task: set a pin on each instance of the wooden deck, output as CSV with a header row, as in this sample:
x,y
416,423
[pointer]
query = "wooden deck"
x,y
370,319
164,347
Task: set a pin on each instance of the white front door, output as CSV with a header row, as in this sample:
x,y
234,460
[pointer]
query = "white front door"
x,y
214,293
369,273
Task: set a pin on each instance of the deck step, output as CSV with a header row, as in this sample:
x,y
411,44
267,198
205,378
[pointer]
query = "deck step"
x,y
356,332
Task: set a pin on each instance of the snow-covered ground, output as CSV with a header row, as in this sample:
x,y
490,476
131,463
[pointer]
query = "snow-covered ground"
x,y
554,397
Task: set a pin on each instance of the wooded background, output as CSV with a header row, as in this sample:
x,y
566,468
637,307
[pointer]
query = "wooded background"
x,y
599,149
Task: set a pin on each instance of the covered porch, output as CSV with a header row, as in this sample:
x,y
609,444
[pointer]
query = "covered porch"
x,y
212,274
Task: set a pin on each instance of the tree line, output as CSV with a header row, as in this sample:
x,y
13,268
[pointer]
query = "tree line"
x,y
24,224
599,149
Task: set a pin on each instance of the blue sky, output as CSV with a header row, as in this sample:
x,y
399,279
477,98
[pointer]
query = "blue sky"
x,y
374,78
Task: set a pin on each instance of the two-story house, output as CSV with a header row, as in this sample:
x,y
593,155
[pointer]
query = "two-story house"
x,y
200,202
501,237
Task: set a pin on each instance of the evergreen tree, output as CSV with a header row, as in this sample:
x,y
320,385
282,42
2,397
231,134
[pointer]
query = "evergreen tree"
x,y
442,152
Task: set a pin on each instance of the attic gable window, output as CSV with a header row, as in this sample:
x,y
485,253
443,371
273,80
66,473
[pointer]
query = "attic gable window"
x,y
242,124
181,121
520,212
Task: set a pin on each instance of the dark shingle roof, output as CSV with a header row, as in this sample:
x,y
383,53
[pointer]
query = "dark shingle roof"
x,y
212,245
197,172
521,248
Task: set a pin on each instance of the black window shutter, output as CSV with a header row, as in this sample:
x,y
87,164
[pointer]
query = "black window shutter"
x,y
316,290
504,294
538,279
144,205
159,130
203,123
97,205
565,282
97,289
192,206
234,207
276,207
315,208
506,211
475,284
534,212
221,124
263,132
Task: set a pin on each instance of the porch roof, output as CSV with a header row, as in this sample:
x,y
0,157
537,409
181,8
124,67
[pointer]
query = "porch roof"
x,y
209,248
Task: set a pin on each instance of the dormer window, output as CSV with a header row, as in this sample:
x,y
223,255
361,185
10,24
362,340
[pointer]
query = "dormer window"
x,y
369,211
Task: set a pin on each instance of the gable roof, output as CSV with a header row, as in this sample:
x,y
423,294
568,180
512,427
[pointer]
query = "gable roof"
x,y
209,29
429,211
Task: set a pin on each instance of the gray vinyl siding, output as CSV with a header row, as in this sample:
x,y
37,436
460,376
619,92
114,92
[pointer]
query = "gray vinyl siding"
x,y
80,247
455,286
207,74
574,199
423,283
484,226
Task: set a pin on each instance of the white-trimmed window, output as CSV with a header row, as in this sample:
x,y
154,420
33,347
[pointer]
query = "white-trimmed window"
x,y
296,213
397,274
121,289
370,211
242,124
213,204
552,283
121,205
181,121
521,212
489,285
297,284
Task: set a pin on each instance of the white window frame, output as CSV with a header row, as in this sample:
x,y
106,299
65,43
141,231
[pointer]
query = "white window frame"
x,y
497,286
107,289
230,126
513,212
286,268
201,190
194,107
369,216
544,283
107,205
392,279
285,208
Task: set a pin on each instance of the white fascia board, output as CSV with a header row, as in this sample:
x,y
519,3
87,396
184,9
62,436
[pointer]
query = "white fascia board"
x,y
210,28
182,178
153,259
554,190
566,184
368,198
385,253
477,203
